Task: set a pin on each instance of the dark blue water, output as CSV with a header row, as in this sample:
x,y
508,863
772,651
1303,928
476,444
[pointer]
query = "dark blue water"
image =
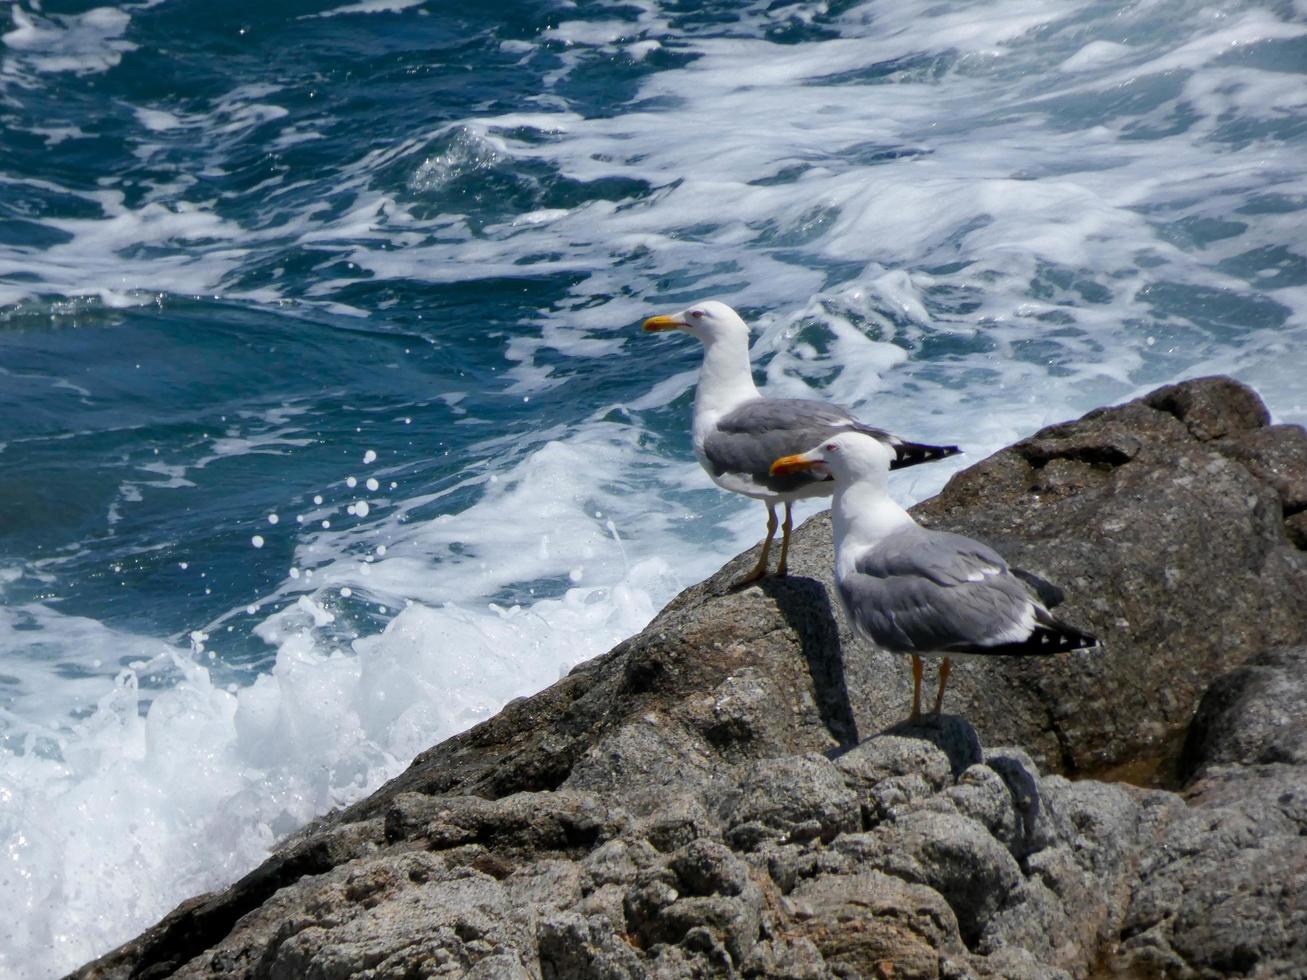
x,y
325,423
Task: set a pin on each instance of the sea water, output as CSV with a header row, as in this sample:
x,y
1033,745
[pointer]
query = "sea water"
x,y
326,423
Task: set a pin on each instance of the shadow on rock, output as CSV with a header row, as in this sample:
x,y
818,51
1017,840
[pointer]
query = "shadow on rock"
x,y
805,604
951,734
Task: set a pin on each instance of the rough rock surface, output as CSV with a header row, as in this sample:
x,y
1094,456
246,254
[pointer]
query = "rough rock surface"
x,y
711,798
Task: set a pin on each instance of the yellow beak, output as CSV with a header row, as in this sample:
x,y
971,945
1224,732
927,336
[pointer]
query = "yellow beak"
x,y
657,324
793,464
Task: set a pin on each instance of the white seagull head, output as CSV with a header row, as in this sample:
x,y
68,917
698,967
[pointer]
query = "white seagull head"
x,y
849,457
710,321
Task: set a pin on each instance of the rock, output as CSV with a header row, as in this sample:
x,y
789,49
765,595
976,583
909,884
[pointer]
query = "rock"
x,y
952,854
955,737
710,798
794,799
872,924
882,756
576,948
1212,407
703,898
1225,891
1019,776
1255,714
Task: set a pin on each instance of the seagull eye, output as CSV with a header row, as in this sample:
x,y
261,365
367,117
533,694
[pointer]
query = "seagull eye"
x,y
697,314
832,448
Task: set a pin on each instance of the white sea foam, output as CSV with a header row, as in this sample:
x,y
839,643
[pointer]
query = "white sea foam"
x,y
959,223
81,43
370,7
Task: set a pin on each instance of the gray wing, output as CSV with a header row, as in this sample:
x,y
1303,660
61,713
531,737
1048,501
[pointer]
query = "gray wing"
x,y
922,591
748,440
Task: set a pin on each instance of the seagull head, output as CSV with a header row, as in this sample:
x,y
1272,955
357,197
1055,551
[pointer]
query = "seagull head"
x,y
849,457
710,321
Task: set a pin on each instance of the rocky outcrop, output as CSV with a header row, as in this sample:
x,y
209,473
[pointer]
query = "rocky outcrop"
x,y
726,794
1222,886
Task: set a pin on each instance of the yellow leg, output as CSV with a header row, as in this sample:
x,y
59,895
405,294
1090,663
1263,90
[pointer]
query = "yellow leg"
x,y
945,669
786,528
760,569
916,688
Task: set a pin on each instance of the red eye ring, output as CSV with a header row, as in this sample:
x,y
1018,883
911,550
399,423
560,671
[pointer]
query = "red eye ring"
x,y
832,448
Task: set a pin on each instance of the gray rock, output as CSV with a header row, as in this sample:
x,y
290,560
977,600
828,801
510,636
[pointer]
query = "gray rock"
x,y
573,947
950,853
1256,714
874,925
1224,892
954,736
792,798
883,756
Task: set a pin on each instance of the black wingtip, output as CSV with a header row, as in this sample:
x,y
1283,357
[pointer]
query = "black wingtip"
x,y
1060,638
912,453
1073,639
1045,640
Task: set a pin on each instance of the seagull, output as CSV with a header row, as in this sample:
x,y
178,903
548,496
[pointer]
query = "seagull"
x,y
913,590
738,433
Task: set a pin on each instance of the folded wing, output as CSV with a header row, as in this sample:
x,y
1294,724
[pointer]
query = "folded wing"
x,y
749,439
921,591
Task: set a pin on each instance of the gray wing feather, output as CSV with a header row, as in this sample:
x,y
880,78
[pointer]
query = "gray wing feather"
x,y
924,591
755,435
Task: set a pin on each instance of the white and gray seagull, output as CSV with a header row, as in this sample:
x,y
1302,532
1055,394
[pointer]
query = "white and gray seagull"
x,y
914,590
738,433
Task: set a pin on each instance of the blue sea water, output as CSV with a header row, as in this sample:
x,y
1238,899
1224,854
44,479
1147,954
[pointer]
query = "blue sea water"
x,y
326,426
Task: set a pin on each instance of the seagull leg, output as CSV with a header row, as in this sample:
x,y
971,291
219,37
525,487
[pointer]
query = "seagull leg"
x,y
944,669
916,688
760,569
786,528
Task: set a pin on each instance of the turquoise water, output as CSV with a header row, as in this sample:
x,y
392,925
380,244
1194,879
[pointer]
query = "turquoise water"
x,y
326,426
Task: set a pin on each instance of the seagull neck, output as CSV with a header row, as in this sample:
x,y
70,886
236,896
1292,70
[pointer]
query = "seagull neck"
x,y
863,513
726,378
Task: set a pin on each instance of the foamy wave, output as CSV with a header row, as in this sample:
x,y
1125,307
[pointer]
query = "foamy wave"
x,y
150,799
81,43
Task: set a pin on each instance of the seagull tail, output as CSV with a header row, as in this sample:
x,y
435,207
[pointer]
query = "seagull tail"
x,y
1058,637
1047,638
912,453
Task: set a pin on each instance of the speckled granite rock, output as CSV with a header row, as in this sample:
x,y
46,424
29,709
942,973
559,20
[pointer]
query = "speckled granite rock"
x,y
711,798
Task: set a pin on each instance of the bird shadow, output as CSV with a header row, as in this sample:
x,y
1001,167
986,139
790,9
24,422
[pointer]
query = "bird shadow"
x,y
951,734
805,604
